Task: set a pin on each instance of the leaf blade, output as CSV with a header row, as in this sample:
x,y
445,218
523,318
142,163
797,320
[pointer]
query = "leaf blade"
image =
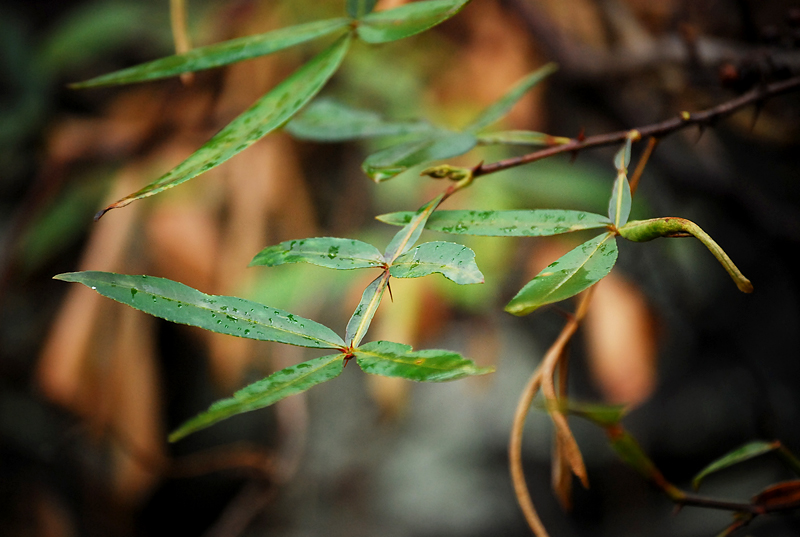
x,y
406,20
575,271
279,385
454,261
267,114
390,359
531,223
502,106
396,159
406,237
219,54
359,322
359,8
738,455
331,252
182,304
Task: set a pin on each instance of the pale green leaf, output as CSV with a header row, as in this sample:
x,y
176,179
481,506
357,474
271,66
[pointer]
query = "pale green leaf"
x,y
267,114
454,261
521,138
359,323
406,237
406,20
502,106
396,159
326,120
575,271
359,8
277,386
220,54
533,223
619,206
741,454
623,157
397,360
234,316
323,251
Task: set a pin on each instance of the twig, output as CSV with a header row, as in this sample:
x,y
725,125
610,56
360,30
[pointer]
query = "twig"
x,y
656,130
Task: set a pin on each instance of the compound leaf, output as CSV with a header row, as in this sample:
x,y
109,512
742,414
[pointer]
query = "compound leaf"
x,y
234,316
267,114
396,159
572,273
219,54
535,223
277,386
454,261
326,120
323,251
406,20
502,106
397,360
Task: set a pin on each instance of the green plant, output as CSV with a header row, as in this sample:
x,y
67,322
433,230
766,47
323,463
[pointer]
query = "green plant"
x,y
421,142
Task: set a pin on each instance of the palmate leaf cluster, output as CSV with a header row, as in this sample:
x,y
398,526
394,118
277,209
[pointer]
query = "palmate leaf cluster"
x,y
420,142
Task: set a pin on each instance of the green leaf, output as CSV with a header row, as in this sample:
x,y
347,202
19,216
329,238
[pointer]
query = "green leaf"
x,y
359,8
535,223
396,159
619,206
454,261
602,415
521,138
326,120
323,251
219,54
234,316
277,386
744,453
397,360
267,114
359,323
406,237
501,107
575,271
623,157
407,20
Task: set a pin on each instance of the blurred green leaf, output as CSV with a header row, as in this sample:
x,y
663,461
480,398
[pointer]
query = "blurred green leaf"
x,y
741,454
521,138
397,360
279,385
359,323
454,261
619,206
572,273
534,223
631,453
326,120
234,316
406,237
359,8
623,157
501,107
219,54
267,114
323,251
396,159
602,415
406,20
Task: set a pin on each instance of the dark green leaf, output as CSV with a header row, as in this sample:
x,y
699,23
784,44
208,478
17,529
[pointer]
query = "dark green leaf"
x,y
359,8
536,223
396,159
407,20
744,453
234,316
326,120
323,251
619,206
631,453
397,360
219,54
499,109
454,261
521,138
359,323
572,273
406,237
279,385
267,114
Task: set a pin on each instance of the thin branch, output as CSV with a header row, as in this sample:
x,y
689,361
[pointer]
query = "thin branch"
x,y
657,130
652,142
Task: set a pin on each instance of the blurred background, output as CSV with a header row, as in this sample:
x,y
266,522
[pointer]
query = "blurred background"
x,y
89,388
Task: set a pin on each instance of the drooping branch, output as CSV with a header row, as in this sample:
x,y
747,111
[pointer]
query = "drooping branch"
x,y
656,130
